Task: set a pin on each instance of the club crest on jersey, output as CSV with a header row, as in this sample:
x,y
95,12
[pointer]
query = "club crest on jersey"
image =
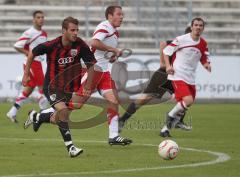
x,y
73,52
53,97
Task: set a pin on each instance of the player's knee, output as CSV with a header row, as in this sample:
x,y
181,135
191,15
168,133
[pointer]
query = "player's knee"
x,y
188,101
53,118
113,101
63,114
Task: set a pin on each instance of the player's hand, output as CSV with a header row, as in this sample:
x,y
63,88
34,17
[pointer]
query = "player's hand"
x,y
86,92
113,59
170,70
116,53
208,67
25,79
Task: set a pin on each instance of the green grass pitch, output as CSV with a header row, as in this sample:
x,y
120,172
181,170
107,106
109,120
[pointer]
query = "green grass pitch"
x,y
215,128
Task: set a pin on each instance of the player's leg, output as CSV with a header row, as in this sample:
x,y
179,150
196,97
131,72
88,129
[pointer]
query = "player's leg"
x,y
78,99
169,88
113,116
184,102
37,119
38,78
152,90
176,115
182,114
61,119
42,100
181,124
60,116
22,97
184,95
181,107
132,108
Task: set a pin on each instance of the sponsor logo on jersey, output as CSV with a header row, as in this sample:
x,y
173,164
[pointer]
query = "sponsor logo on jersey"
x,y
63,61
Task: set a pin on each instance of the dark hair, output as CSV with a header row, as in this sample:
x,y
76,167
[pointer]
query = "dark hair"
x,y
68,20
110,10
188,30
37,12
197,19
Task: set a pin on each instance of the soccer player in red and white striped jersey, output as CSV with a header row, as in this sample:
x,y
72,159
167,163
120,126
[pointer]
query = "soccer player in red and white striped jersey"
x,y
187,51
105,39
28,40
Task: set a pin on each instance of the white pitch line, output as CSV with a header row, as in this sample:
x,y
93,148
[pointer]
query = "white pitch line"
x,y
221,157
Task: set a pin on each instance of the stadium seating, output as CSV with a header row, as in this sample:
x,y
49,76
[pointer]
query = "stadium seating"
x,y
146,21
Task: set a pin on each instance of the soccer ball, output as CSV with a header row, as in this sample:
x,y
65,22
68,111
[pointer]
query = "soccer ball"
x,y
168,149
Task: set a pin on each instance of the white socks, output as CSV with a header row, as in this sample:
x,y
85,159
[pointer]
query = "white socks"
x,y
113,127
180,106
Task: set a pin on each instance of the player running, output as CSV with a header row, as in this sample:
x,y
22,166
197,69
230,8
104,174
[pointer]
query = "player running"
x,y
156,88
63,77
187,50
30,39
105,39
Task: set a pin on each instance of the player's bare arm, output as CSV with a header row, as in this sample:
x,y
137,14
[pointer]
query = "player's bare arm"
x,y
97,44
169,68
163,44
21,50
208,67
87,87
169,51
26,75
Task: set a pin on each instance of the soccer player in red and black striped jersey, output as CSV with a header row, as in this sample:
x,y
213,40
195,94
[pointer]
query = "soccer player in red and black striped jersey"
x,y
62,78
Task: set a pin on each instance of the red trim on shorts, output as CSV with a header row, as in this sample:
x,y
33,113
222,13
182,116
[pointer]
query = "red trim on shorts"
x,y
182,89
101,81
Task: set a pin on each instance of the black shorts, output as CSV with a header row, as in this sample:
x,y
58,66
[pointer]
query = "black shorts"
x,y
56,96
159,84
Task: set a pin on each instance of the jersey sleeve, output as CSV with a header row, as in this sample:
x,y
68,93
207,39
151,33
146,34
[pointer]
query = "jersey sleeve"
x,y
87,56
23,40
40,49
171,48
100,33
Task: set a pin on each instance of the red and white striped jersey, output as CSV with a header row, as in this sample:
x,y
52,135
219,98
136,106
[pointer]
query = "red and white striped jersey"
x,y
107,34
30,39
186,54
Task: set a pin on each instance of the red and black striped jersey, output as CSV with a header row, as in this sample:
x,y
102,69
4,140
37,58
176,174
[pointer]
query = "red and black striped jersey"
x,y
64,63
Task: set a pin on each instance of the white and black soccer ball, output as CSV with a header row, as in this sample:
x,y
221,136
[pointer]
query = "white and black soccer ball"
x,y
168,149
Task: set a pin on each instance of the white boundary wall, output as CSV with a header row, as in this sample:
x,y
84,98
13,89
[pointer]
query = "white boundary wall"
x,y
222,83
